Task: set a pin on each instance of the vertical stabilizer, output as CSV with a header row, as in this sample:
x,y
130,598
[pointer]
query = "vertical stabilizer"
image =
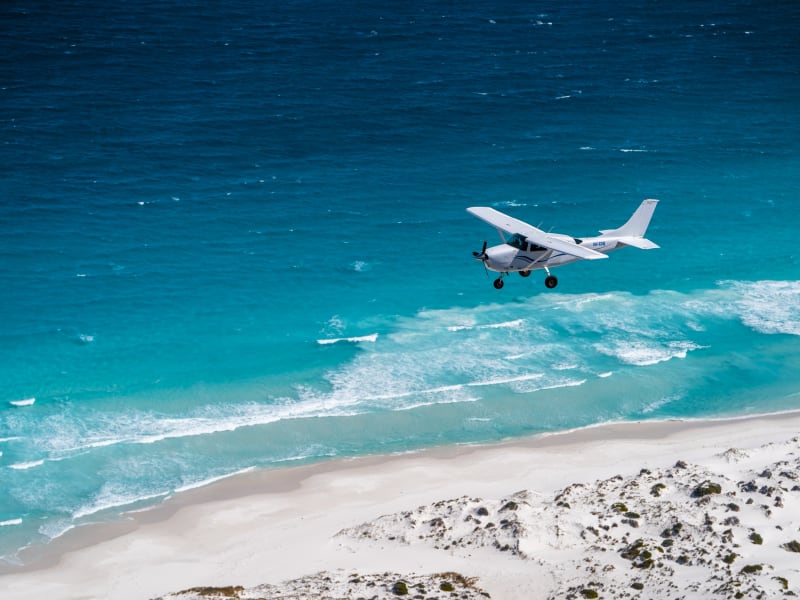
x,y
637,224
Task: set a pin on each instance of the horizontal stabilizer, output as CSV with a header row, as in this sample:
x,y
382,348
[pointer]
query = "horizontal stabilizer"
x,y
638,242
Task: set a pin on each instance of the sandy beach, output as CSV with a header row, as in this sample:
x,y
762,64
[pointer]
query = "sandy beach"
x,y
657,509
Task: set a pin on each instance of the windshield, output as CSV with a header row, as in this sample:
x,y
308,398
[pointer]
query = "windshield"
x,y
520,242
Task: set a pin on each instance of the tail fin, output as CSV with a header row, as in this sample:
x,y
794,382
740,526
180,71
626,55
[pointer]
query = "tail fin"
x,y
637,224
632,233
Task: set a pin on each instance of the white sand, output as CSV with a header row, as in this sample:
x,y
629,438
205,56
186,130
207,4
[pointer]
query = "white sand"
x,y
270,527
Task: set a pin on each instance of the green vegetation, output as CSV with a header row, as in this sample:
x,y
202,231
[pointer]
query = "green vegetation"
x,y
400,589
706,488
619,507
639,555
589,593
446,586
752,568
231,591
728,560
793,546
783,581
657,489
637,585
756,539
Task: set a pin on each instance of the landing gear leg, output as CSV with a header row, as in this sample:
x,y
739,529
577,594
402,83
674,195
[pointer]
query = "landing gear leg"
x,y
550,281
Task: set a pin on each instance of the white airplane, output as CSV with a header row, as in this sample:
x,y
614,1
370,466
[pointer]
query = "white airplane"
x,y
530,248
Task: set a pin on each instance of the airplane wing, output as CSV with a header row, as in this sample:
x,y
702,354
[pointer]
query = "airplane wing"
x,y
511,225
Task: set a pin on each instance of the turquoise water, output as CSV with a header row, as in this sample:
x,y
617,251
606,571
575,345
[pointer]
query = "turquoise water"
x,y
198,202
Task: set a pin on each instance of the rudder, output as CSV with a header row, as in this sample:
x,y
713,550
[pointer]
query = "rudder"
x,y
637,225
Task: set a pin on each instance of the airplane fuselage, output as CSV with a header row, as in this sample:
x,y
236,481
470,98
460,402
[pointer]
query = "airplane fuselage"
x,y
521,255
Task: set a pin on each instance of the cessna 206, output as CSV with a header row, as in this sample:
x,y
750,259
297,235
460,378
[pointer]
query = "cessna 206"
x,y
530,248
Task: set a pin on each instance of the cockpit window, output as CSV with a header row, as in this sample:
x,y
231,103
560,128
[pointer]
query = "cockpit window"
x,y
520,242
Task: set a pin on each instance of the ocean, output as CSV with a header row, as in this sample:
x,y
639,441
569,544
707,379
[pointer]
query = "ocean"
x,y
233,235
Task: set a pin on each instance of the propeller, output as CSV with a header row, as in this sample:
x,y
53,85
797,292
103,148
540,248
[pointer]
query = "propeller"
x,y
481,256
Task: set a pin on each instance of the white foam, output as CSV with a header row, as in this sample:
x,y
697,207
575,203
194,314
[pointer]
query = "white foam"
x,y
507,380
25,402
606,374
10,522
645,353
563,384
360,266
502,325
109,500
771,307
371,338
210,480
26,465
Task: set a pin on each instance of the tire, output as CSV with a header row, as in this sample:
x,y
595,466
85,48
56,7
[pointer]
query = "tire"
x,y
524,273
550,282
498,283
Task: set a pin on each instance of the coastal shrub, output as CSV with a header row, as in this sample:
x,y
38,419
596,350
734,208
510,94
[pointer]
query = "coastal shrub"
x,y
728,560
483,512
637,585
231,591
589,593
657,489
756,539
633,515
783,581
400,589
706,488
510,505
793,546
672,531
639,555
752,568
446,586
619,507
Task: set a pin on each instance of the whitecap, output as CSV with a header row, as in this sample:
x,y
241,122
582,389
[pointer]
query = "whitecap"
x,y
372,337
507,380
210,480
643,353
10,522
26,465
25,402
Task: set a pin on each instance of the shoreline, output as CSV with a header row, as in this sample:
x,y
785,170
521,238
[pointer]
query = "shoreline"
x,y
362,488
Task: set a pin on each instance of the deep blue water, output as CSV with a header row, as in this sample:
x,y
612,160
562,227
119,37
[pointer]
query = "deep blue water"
x,y
193,196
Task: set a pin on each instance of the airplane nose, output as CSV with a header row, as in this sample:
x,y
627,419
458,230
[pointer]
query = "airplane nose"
x,y
482,254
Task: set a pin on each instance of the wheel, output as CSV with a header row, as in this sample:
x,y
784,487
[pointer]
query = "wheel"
x,y
498,283
524,273
550,281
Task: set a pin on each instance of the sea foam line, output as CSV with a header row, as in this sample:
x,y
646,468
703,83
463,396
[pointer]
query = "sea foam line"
x,y
24,402
373,337
10,522
210,480
26,465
